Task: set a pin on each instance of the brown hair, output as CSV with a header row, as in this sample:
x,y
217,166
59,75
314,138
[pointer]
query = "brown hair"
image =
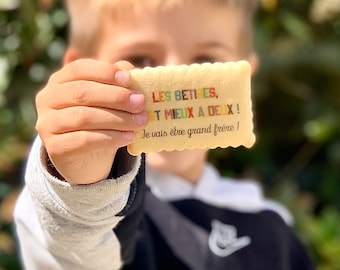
x,y
86,16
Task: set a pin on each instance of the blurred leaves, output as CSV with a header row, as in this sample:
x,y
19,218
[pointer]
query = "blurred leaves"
x,y
32,41
297,117
323,236
296,104
324,10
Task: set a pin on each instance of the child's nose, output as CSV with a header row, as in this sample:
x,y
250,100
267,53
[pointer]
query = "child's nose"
x,y
175,59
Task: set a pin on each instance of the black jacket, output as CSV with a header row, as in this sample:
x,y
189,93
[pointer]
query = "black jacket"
x,y
189,234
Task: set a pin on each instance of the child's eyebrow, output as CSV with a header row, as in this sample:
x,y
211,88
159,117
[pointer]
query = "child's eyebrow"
x,y
140,45
215,45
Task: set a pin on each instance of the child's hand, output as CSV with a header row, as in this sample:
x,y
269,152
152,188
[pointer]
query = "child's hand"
x,y
85,113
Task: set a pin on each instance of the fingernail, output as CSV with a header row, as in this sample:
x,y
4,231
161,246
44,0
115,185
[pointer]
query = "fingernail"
x,y
128,136
137,101
140,119
122,77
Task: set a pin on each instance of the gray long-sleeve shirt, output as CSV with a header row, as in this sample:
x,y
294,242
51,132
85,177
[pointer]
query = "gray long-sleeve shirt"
x,y
63,226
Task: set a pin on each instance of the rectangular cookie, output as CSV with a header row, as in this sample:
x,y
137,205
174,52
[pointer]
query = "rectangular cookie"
x,y
197,106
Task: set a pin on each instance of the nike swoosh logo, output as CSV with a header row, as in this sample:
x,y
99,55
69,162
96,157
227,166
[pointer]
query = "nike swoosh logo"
x,y
238,244
223,239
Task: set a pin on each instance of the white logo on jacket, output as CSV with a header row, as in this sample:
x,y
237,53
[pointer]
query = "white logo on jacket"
x,y
223,239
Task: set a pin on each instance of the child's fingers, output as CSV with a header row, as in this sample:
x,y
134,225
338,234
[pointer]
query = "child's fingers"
x,y
125,65
77,143
88,93
92,70
78,118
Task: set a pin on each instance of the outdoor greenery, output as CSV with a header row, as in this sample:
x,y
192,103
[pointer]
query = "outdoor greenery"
x,y
296,97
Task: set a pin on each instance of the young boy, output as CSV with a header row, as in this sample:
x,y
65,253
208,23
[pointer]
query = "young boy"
x,y
85,204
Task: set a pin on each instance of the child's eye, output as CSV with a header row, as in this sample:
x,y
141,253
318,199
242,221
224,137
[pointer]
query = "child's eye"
x,y
203,59
141,61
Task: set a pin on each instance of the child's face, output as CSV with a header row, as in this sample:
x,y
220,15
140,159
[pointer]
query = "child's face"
x,y
190,33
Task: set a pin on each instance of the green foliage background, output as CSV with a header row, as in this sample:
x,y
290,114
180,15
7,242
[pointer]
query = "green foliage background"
x,y
296,103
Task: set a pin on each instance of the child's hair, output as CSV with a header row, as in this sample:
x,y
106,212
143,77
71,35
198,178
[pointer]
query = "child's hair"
x,y
87,16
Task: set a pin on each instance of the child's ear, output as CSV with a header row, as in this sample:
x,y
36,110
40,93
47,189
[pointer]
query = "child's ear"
x,y
71,54
254,62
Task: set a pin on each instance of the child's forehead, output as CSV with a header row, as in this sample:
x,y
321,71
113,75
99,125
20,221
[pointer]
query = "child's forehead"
x,y
96,10
131,11
178,15
123,8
